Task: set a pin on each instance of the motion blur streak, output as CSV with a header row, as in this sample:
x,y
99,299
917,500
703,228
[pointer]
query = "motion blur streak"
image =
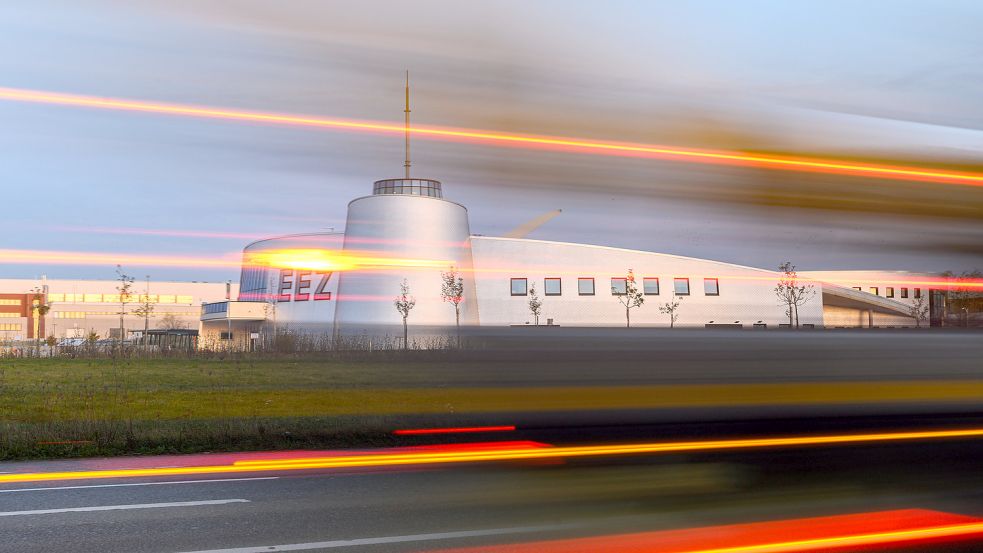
x,y
461,430
315,260
811,534
401,458
503,139
103,258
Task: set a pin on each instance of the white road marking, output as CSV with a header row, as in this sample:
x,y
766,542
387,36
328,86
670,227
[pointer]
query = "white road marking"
x,y
140,484
122,507
385,540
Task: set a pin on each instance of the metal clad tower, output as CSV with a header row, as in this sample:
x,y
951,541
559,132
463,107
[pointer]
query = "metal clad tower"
x,y
405,219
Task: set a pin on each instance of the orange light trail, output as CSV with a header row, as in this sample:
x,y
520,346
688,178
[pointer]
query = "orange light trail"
x,y
506,139
403,458
837,532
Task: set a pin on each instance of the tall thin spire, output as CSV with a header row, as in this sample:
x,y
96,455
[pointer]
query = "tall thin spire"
x,y
406,164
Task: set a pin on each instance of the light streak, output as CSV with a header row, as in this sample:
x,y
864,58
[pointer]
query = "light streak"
x,y
570,144
399,458
459,430
784,536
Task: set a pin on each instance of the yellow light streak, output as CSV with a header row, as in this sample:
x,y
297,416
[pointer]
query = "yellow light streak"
x,y
506,139
395,459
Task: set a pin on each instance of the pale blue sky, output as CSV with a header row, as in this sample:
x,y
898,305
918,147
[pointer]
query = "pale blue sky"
x,y
886,78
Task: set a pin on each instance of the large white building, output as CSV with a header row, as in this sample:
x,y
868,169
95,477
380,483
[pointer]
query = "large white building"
x,y
345,283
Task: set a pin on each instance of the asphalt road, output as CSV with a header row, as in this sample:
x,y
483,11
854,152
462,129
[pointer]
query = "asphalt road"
x,y
427,509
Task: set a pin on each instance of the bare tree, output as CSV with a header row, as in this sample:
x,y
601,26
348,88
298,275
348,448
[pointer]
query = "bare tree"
x,y
41,308
535,304
125,288
791,293
671,309
919,310
145,309
632,297
452,291
404,303
170,321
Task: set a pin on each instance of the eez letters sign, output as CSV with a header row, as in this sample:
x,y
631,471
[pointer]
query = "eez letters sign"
x,y
298,285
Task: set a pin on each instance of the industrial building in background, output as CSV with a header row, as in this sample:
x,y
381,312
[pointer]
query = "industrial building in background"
x,y
77,309
407,236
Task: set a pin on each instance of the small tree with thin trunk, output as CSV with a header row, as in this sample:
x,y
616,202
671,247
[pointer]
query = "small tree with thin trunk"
x,y
791,293
632,297
452,291
404,303
672,309
535,304
41,309
145,309
125,288
919,310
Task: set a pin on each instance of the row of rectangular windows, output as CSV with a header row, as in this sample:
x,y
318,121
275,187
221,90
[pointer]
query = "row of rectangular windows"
x,y
553,286
11,326
9,302
84,314
115,298
889,291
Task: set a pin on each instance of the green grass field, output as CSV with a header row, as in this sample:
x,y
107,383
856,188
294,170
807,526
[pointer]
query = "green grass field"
x,y
65,407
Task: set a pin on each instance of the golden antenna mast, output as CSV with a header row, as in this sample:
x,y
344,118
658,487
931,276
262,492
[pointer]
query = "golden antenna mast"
x,y
406,164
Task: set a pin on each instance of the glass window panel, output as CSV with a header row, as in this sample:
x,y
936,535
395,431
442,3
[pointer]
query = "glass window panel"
x,y
680,286
519,286
650,286
585,286
553,287
889,291
711,287
619,286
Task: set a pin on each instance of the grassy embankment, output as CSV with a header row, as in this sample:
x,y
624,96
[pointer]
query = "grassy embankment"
x,y
83,407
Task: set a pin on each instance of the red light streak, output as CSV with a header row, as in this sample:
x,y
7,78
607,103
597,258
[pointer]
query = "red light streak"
x,y
908,526
569,144
460,430
406,457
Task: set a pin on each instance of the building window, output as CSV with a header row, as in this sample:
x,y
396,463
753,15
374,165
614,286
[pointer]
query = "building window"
x,y
680,286
711,287
585,286
553,287
650,286
874,290
10,315
227,335
889,292
9,302
619,286
858,288
218,307
519,287
904,292
918,293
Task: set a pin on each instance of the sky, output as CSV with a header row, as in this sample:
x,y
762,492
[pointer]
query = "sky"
x,y
896,80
